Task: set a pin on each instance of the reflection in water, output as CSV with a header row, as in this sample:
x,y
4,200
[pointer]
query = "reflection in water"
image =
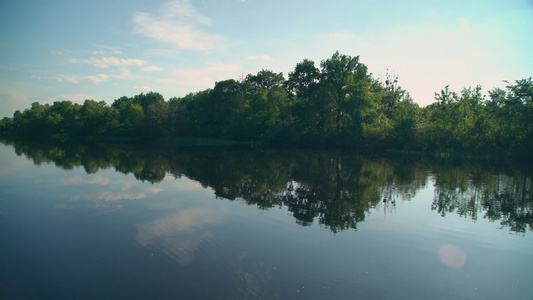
x,y
77,180
179,235
503,196
109,196
167,238
337,189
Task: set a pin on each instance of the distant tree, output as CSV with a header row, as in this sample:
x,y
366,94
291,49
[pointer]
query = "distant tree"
x,y
132,119
309,109
406,118
520,99
348,83
337,103
92,117
226,104
265,79
265,100
446,96
149,98
392,95
6,125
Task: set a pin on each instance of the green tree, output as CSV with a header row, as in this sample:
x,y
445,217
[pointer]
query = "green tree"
x,y
266,100
265,79
132,119
406,118
309,108
226,105
147,99
92,116
391,96
6,125
67,116
520,98
348,84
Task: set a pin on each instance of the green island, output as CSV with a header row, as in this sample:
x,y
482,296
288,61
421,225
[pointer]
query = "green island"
x,y
337,104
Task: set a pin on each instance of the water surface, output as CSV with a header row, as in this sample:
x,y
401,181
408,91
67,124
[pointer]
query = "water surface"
x,y
128,222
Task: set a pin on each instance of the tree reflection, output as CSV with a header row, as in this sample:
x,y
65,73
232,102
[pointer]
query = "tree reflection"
x,y
337,189
502,195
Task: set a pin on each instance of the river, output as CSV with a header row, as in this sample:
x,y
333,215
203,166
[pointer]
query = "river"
x,y
110,221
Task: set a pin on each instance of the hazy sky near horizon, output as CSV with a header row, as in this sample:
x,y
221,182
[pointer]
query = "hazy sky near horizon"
x,y
75,50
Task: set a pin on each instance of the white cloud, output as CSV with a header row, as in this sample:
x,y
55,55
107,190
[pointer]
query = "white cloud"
x,y
125,74
68,78
103,49
168,53
98,78
202,78
169,81
106,62
182,9
9,68
177,23
465,24
261,57
151,68
56,52
426,57
143,88
77,98
77,79
214,67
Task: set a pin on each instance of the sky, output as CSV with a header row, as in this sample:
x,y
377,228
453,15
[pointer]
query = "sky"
x,y
58,50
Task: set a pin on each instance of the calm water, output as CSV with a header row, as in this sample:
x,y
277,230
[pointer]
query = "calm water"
x,y
116,222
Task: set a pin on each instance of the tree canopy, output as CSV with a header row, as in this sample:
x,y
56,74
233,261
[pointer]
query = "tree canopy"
x,y
336,103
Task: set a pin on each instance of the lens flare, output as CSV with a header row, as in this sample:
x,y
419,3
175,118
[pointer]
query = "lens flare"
x,y
452,256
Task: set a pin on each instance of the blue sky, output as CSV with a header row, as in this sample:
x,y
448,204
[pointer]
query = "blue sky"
x,y
75,50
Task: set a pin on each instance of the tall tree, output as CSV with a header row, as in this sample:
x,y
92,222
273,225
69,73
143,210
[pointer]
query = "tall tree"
x,y
309,109
348,83
265,79
520,95
226,104
93,117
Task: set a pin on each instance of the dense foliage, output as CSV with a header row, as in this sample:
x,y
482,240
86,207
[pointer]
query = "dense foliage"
x,y
337,103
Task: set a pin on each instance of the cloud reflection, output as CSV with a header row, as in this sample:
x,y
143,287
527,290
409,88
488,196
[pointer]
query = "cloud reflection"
x,y
180,234
153,190
79,180
116,196
107,195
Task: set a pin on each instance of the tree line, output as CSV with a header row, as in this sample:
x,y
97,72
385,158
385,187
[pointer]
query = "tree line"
x,y
335,103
